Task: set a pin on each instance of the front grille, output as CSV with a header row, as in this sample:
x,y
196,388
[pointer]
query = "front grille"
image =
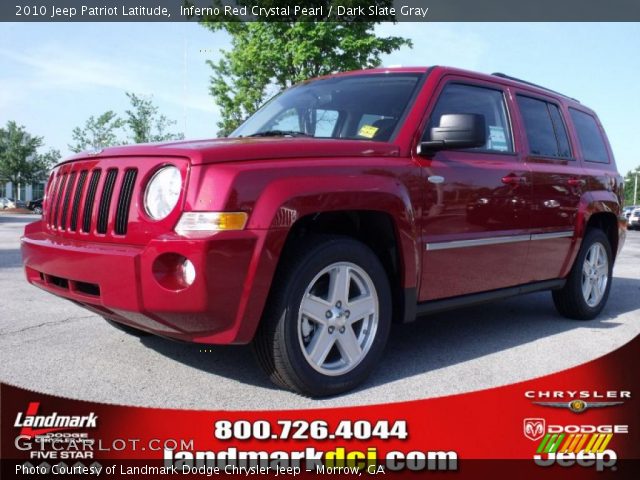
x,y
71,203
100,200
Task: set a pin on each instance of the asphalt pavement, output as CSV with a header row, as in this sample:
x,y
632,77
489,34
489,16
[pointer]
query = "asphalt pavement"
x,y
50,345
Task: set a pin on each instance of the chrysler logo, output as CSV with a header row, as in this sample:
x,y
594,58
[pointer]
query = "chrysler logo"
x,y
577,406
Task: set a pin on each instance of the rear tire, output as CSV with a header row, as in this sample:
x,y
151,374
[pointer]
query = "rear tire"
x,y
327,319
587,288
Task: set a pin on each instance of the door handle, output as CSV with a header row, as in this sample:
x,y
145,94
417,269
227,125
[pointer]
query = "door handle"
x,y
514,180
576,182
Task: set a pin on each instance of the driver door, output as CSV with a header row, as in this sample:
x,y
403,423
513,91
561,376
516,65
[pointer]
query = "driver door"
x,y
476,220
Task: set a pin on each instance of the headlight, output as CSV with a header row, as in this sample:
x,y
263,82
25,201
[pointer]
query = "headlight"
x,y
162,192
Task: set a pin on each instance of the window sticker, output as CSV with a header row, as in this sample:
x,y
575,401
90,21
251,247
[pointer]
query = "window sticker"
x,y
368,131
497,139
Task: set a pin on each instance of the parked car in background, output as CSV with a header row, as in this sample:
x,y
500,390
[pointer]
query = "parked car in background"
x,y
19,203
626,211
6,203
35,206
634,219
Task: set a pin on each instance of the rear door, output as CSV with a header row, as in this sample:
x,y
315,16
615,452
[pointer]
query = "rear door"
x,y
558,184
475,214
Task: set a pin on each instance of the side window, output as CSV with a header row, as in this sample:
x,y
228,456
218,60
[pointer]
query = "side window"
x,y
590,137
545,129
460,98
564,150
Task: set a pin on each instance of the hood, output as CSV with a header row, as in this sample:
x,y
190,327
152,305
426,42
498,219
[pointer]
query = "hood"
x,y
242,149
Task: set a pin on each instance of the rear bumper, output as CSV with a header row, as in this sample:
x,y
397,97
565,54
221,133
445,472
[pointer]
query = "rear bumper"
x,y
118,282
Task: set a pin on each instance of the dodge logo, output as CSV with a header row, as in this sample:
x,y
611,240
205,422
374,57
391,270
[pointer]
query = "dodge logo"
x,y
534,428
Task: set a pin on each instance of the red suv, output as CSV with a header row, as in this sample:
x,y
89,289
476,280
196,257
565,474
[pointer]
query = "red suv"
x,y
345,203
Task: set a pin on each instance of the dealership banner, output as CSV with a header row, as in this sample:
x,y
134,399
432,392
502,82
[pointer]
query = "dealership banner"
x,y
578,423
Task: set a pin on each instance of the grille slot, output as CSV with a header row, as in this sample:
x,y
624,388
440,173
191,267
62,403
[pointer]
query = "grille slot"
x,y
56,213
105,200
52,201
67,198
73,223
124,201
88,204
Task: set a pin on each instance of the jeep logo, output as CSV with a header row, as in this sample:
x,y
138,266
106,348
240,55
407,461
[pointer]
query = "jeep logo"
x,y
606,459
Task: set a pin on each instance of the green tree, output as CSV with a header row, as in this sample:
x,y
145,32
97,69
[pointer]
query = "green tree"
x,y
97,133
630,180
146,124
267,57
20,162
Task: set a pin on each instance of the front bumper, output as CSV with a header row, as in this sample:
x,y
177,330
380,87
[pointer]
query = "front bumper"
x,y
117,281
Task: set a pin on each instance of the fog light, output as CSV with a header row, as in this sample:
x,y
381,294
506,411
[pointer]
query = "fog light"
x,y
188,271
173,271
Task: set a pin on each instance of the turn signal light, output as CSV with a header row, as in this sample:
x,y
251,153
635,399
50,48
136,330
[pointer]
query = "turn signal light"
x,y
211,222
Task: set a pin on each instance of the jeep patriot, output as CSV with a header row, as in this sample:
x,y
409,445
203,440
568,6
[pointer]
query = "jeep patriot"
x,y
344,204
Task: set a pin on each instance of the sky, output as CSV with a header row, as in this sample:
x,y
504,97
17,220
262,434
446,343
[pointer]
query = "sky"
x,y
53,76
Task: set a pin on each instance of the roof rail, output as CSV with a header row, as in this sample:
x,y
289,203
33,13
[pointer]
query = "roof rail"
x,y
502,75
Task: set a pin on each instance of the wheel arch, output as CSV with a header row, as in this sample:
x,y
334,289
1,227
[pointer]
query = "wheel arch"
x,y
374,209
608,223
378,231
602,210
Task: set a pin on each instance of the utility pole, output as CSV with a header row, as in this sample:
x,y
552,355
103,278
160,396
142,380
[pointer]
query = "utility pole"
x,y
635,189
184,83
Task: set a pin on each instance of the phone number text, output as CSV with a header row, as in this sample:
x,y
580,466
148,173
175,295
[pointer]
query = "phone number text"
x,y
305,430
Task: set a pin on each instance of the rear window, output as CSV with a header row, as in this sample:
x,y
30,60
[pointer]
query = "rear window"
x,y
590,137
544,126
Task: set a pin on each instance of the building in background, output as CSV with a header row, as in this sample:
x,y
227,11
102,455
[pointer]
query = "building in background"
x,y
23,192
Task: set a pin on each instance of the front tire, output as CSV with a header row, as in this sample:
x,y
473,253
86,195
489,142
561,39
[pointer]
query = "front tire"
x,y
587,288
328,317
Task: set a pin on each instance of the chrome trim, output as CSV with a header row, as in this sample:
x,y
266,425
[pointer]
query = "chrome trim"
x,y
548,236
477,242
480,242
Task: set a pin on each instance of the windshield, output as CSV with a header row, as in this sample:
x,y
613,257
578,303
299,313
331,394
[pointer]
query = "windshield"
x,y
350,107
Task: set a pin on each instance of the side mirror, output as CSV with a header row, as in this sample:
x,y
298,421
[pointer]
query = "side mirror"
x,y
457,130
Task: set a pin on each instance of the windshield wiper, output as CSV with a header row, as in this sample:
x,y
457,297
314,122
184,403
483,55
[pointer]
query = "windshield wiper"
x,y
280,133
